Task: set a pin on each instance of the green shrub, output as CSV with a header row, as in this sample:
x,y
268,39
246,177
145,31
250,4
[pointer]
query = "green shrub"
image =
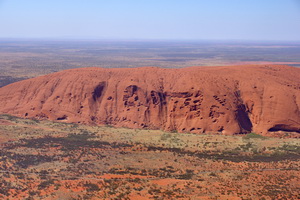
x,y
254,135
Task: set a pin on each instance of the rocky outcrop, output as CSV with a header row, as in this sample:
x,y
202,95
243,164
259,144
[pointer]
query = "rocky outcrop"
x,y
227,100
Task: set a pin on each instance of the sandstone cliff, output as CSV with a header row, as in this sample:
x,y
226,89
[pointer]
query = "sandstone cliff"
x,y
228,100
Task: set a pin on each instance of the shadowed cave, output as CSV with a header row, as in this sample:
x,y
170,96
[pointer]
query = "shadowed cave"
x,y
98,90
282,127
243,118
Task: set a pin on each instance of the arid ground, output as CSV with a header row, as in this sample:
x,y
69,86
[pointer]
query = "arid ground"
x,y
21,59
51,160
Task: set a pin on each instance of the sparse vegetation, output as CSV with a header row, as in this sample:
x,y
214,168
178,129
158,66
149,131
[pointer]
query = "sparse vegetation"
x,y
254,135
110,163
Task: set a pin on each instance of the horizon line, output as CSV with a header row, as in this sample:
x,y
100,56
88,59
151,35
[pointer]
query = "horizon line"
x,y
137,39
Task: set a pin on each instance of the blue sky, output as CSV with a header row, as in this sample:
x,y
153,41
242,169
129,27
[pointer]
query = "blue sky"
x,y
151,19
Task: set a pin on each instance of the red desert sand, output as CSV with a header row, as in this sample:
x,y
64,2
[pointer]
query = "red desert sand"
x,y
228,100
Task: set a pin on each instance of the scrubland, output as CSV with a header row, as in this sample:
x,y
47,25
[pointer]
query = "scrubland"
x,y
51,160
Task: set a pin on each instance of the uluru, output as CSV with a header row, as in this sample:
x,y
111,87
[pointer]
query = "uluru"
x,y
225,100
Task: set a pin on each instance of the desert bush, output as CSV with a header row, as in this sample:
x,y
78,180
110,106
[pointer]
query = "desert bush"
x,y
290,148
91,187
187,176
254,135
45,184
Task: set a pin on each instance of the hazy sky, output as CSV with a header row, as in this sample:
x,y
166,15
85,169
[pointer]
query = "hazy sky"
x,y
151,19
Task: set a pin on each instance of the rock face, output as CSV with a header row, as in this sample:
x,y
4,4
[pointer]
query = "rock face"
x,y
227,100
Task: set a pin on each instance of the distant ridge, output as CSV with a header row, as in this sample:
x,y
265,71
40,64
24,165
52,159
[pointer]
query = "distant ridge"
x,y
227,100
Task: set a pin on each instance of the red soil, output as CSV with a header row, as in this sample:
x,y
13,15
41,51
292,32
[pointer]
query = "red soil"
x,y
227,99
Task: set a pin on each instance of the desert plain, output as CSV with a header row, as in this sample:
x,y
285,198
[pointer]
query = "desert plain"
x,y
54,160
